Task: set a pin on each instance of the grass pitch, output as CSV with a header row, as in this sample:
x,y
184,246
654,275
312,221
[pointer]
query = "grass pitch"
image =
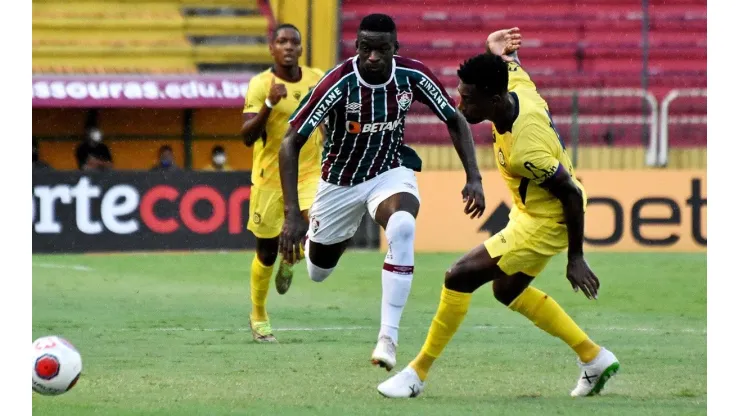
x,y
166,334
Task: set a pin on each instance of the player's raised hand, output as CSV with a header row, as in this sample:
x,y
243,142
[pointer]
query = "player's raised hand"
x,y
475,202
277,92
581,277
294,231
504,42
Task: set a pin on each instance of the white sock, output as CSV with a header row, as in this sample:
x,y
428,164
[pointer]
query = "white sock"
x,y
398,272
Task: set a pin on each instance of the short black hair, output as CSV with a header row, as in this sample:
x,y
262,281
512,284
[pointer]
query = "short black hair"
x,y
377,22
218,149
488,72
165,148
280,27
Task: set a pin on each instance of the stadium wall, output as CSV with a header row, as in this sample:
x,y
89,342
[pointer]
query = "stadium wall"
x,y
628,211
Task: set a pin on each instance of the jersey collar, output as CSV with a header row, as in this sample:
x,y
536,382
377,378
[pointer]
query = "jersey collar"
x,y
362,81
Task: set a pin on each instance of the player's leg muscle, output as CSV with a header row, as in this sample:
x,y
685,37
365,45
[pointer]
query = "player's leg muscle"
x,y
267,250
402,201
507,288
473,270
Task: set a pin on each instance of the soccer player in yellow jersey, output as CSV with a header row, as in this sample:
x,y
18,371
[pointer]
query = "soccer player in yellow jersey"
x,y
547,218
272,97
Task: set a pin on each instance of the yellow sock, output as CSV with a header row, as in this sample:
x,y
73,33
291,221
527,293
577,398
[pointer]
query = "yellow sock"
x,y
544,312
453,306
259,285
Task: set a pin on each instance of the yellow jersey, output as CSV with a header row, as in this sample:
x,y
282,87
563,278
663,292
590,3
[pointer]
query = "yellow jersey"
x,y
265,171
532,152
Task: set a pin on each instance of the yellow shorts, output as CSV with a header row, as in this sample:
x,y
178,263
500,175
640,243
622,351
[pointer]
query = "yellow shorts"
x,y
527,244
266,208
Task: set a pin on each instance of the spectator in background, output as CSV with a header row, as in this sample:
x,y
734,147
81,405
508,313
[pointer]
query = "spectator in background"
x,y
92,153
218,160
166,159
38,164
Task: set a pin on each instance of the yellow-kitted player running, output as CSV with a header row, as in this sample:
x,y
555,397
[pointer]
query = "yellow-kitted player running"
x,y
272,97
547,218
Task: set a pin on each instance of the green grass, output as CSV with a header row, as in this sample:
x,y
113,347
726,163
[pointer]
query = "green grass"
x,y
117,310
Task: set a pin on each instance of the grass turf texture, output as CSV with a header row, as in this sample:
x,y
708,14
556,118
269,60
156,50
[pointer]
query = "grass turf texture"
x,y
167,334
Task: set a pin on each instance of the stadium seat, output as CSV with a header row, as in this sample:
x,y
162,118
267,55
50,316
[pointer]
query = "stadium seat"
x,y
570,44
139,36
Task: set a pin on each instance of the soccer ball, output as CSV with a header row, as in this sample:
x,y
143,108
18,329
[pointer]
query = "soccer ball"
x,y
56,365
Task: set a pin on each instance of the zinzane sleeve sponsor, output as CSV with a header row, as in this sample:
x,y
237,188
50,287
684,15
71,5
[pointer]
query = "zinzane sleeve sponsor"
x,y
430,92
316,105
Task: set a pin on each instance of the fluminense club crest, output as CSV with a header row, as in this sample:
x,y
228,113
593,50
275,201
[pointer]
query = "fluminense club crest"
x,y
404,100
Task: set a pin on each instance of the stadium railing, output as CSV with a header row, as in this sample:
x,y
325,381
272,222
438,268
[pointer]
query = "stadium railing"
x,y
661,155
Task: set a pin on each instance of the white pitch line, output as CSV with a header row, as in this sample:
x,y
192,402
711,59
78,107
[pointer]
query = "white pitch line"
x,y
63,266
477,327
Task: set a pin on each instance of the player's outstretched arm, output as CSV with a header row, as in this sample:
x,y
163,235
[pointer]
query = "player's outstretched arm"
x,y
462,139
505,43
295,226
579,274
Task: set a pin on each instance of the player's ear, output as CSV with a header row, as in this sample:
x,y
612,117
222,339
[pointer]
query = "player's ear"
x,y
357,44
398,46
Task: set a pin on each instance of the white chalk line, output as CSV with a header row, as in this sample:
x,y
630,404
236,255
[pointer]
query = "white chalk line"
x,y
63,266
363,328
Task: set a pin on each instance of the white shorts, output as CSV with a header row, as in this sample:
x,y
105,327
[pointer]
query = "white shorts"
x,y
337,211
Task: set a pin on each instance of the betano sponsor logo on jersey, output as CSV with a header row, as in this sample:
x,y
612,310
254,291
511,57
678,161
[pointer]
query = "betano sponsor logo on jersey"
x,y
354,127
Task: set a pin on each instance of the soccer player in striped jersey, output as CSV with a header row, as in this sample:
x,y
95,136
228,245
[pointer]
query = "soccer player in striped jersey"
x,y
546,219
366,166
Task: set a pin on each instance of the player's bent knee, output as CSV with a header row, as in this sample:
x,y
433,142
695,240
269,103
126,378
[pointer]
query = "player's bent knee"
x,y
401,227
316,273
400,232
267,251
454,277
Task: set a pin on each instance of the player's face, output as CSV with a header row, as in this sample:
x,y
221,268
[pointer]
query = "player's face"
x,y
286,47
375,52
473,105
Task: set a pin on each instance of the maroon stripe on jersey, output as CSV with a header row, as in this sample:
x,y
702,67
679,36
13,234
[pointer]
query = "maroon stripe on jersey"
x,y
361,141
331,155
396,156
392,108
398,269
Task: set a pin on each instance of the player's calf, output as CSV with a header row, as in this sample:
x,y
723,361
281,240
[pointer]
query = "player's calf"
x,y
507,288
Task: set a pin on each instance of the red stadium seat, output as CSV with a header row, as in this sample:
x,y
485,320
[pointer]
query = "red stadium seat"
x,y
570,44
